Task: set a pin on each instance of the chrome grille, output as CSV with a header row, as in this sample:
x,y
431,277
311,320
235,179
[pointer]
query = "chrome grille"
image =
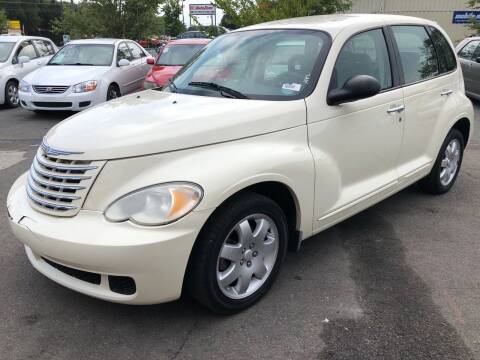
x,y
45,89
58,186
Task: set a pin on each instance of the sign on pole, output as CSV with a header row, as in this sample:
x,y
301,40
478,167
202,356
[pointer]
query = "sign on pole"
x,y
202,9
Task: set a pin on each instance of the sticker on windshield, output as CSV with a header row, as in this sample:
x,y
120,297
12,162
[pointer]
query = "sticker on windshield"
x,y
292,87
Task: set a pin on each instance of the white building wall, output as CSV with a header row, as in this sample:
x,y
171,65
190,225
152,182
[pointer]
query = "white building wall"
x,y
440,11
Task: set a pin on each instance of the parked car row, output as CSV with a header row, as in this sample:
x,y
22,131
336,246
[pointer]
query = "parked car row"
x,y
84,73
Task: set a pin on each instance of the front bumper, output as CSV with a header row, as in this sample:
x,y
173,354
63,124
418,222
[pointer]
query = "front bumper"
x,y
155,258
68,101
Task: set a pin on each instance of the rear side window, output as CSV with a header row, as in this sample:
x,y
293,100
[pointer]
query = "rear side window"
x,y
446,56
41,47
417,53
137,53
468,50
48,44
363,54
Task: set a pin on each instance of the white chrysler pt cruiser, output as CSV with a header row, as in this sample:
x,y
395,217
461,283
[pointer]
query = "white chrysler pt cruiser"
x,y
270,135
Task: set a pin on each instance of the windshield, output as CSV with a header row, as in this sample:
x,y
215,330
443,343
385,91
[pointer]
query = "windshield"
x,y
84,54
178,54
259,64
5,50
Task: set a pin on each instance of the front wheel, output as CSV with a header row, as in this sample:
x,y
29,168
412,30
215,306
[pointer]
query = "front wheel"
x,y
238,254
113,92
11,94
447,165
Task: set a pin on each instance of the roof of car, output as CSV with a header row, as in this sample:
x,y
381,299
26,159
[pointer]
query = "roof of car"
x,y
334,24
15,38
190,41
97,41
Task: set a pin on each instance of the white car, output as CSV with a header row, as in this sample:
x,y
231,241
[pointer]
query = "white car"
x,y
85,73
20,55
271,135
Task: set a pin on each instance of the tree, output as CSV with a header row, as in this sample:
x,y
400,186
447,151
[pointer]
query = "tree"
x,y
3,21
475,24
134,19
247,12
172,11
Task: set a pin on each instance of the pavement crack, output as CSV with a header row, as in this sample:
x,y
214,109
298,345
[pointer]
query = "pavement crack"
x,y
185,339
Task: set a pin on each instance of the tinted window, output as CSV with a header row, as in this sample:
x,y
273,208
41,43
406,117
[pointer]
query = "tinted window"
x,y
178,54
446,56
137,53
417,54
468,50
123,52
84,54
363,54
26,49
41,47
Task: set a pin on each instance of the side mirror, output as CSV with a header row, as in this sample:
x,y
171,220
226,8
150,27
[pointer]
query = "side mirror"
x,y
123,62
357,88
477,59
23,59
150,60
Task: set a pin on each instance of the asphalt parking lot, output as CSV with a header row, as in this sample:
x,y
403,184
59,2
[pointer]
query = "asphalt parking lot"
x,y
398,281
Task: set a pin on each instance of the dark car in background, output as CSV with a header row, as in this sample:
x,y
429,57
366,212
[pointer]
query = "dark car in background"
x,y
469,54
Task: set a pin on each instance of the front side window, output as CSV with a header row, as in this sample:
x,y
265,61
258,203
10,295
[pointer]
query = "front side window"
x,y
123,53
5,50
446,56
137,53
84,55
469,49
26,49
417,53
178,54
363,54
257,64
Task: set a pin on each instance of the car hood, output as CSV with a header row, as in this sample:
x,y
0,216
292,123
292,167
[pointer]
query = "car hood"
x,y
161,74
65,75
153,122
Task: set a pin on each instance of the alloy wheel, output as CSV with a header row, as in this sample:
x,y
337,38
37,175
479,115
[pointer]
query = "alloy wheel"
x,y
247,256
450,162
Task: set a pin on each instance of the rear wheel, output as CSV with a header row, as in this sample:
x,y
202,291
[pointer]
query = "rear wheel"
x,y
11,94
113,92
447,165
238,254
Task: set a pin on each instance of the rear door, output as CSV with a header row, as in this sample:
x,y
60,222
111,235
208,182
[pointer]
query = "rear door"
x,y
44,51
467,56
429,84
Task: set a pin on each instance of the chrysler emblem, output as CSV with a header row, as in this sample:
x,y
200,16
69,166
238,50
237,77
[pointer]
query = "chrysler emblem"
x,y
48,150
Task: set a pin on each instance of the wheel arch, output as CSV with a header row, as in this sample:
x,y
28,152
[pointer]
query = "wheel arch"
x,y
463,125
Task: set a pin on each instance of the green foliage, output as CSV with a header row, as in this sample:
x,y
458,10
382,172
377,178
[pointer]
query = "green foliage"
x,y
247,12
172,11
134,19
474,25
3,21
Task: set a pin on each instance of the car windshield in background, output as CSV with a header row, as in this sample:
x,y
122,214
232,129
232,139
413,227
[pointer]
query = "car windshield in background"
x,y
84,54
178,54
5,50
258,64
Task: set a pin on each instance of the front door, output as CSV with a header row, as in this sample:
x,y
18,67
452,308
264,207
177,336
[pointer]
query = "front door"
x,y
356,145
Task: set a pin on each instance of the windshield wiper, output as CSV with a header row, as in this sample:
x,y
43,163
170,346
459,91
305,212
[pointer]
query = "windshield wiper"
x,y
221,89
80,64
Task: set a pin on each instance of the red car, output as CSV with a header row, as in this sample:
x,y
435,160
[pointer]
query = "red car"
x,y
170,60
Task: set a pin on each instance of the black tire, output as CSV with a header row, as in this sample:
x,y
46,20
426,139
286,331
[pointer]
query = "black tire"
x,y
432,183
113,92
11,102
201,279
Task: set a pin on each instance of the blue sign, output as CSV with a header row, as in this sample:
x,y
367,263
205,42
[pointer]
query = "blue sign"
x,y
465,17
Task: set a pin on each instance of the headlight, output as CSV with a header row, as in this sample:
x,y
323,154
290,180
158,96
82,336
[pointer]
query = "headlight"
x,y
24,86
149,85
85,86
156,205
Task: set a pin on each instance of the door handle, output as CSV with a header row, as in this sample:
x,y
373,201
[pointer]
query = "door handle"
x,y
394,109
446,92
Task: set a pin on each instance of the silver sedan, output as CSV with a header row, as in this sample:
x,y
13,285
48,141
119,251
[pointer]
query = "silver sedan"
x,y
469,53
